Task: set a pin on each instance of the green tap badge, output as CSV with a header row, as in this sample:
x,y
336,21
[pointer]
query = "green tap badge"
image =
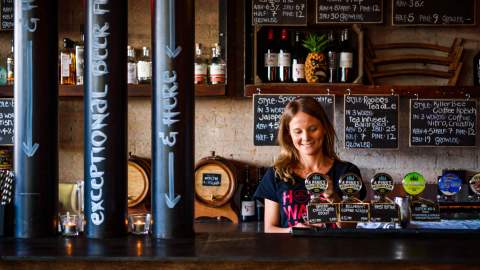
x,y
413,183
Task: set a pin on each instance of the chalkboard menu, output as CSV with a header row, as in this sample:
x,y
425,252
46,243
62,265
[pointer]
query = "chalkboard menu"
x,y
371,121
269,108
211,179
443,122
433,12
6,14
6,121
349,11
275,12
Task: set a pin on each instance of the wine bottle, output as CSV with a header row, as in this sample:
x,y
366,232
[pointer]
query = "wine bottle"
x,y
271,58
246,199
298,60
284,58
259,203
332,57
144,67
67,63
10,66
217,66
200,66
131,66
346,58
476,69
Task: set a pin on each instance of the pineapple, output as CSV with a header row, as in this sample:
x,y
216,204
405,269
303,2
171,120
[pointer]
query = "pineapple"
x,y
316,62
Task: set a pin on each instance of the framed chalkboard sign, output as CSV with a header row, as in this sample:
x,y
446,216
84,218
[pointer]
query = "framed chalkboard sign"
x,y
6,121
6,14
267,110
348,11
433,12
443,122
371,121
274,12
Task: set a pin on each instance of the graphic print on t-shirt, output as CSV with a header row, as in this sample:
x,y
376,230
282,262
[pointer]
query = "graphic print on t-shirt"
x,y
294,205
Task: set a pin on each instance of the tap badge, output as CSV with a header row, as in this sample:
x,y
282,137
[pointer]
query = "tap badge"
x,y
316,183
413,183
382,184
475,183
350,184
449,184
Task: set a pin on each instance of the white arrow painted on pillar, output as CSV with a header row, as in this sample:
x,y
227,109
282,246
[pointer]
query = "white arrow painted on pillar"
x,y
29,148
172,50
170,198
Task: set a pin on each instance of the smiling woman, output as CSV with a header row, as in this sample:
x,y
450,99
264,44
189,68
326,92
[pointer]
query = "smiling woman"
x,y
307,143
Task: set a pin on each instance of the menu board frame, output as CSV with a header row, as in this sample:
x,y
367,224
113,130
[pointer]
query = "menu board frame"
x,y
13,127
382,12
281,24
433,25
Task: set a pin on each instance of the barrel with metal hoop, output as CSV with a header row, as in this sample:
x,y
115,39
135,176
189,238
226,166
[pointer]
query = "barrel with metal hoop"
x,y
139,173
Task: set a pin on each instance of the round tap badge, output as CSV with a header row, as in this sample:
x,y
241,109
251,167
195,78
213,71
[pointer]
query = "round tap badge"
x,y
382,183
475,183
316,183
350,184
413,183
449,184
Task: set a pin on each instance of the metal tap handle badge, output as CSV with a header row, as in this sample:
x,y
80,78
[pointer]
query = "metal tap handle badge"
x,y
316,184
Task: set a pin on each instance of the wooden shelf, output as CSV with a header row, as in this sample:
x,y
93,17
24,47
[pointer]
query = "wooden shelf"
x,y
413,91
134,90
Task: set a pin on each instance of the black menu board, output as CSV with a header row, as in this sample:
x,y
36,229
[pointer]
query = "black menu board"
x,y
348,11
275,12
443,122
6,121
269,108
371,121
433,12
6,14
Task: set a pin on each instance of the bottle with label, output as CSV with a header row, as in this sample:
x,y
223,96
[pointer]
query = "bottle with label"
x,y
476,69
10,65
79,49
298,60
345,66
217,66
247,202
332,58
284,58
144,67
67,63
131,66
3,76
259,203
200,68
271,58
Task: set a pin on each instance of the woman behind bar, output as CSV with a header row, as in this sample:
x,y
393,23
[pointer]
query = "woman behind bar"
x,y
307,143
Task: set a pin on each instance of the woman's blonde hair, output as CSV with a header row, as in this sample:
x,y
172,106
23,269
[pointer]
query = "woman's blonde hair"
x,y
289,157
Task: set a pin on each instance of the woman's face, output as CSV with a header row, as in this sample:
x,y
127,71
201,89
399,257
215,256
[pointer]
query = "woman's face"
x,y
307,134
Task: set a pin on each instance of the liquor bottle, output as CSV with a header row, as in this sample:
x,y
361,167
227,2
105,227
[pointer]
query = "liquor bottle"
x,y
79,49
259,203
10,66
131,66
332,58
476,69
217,66
144,67
3,76
246,199
67,63
346,58
298,60
200,66
284,57
271,58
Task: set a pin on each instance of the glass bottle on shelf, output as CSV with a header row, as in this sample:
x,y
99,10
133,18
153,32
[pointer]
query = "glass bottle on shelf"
x,y
79,49
67,63
3,74
131,66
332,57
476,69
298,60
200,66
346,58
284,57
217,66
10,65
271,58
144,67
259,203
247,202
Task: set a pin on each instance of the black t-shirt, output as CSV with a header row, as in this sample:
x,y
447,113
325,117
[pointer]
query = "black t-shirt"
x,y
293,199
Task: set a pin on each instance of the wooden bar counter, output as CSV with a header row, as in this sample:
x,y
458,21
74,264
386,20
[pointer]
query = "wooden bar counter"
x,y
244,247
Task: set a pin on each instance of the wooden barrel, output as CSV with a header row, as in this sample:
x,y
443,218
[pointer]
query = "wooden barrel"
x,y
139,173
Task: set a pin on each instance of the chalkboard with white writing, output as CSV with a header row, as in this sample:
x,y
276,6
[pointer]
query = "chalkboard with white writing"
x,y
6,121
6,14
443,122
371,121
269,108
349,11
433,12
275,12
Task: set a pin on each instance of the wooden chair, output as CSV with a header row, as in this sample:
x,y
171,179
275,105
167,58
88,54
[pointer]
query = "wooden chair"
x,y
391,59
